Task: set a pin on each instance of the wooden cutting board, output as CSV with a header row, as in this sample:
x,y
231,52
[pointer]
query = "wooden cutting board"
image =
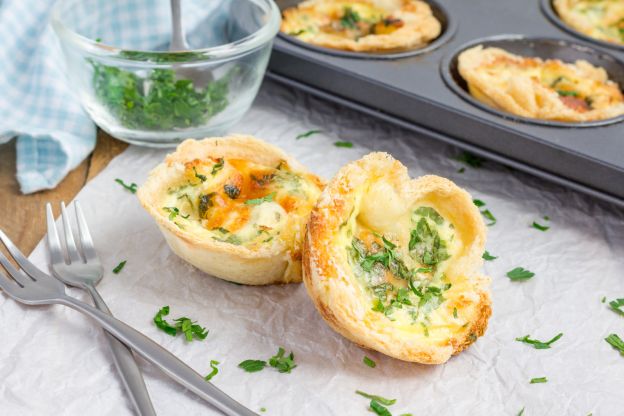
x,y
22,217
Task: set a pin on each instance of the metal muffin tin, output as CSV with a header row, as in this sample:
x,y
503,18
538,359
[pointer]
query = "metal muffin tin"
x,y
412,92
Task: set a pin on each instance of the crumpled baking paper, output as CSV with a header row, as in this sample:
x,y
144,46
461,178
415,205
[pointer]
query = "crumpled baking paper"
x,y
54,361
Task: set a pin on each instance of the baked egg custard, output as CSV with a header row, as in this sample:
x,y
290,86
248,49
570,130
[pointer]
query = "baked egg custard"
x,y
543,89
599,19
234,207
362,25
393,264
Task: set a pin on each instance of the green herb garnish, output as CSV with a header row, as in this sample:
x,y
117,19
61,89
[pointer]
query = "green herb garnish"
x,y
185,325
205,202
231,190
567,93
455,313
120,266
263,409
201,177
520,273
539,345
616,342
379,409
521,412
131,188
487,256
431,213
343,144
540,227
426,244
162,323
470,159
349,18
283,364
217,166
616,306
382,400
157,101
307,133
487,214
253,366
258,201
215,370
369,362
539,380
174,212
603,300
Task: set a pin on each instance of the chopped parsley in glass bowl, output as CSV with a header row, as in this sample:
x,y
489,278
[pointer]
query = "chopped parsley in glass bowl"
x,y
134,88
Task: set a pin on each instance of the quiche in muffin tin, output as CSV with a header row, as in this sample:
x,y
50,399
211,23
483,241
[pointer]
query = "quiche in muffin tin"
x,y
599,19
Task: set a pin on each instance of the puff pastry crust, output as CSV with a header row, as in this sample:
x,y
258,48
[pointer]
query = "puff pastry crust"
x,y
234,207
543,89
393,264
362,25
599,19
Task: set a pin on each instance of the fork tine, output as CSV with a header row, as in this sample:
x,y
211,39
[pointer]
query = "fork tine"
x,y
24,263
54,244
8,285
70,244
88,249
18,277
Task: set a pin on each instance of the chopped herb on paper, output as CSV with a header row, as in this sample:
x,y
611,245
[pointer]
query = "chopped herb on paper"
x,y
604,299
539,345
487,214
369,362
119,267
488,257
343,144
308,134
616,306
252,366
258,201
184,325
470,160
131,188
215,370
616,342
519,274
539,380
283,364
382,400
162,323
521,412
539,226
379,409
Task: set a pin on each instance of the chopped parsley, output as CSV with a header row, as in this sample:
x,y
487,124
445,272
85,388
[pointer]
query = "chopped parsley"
x,y
616,306
350,18
205,202
215,370
540,227
470,160
217,166
231,190
369,362
379,409
431,213
157,101
174,212
379,399
263,409
487,214
188,199
307,133
488,257
521,412
184,325
616,342
132,188
455,313
604,299
519,274
565,93
539,345
199,176
538,380
253,366
119,267
426,244
343,144
283,364
258,201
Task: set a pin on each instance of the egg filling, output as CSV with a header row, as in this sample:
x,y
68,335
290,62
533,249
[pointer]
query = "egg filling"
x,y
600,19
239,202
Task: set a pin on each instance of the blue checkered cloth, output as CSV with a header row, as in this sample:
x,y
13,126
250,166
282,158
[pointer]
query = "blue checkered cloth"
x,y
37,107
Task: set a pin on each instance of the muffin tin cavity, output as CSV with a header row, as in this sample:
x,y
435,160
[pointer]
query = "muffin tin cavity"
x,y
448,23
545,48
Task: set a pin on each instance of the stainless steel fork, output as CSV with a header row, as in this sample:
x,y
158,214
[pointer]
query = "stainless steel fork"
x,y
84,270
31,286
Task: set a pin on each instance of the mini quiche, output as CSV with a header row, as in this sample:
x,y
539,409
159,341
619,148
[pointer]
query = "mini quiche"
x,y
362,25
599,19
393,264
234,207
532,87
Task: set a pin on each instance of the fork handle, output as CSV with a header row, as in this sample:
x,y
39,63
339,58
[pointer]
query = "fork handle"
x,y
160,357
126,365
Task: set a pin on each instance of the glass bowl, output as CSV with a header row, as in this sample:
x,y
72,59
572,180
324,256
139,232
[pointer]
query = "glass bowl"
x,y
134,88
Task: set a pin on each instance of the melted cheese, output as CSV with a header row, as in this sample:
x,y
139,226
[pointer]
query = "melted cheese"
x,y
242,203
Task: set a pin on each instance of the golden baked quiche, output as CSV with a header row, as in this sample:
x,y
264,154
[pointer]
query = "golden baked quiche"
x,y
599,19
362,25
543,89
234,207
393,264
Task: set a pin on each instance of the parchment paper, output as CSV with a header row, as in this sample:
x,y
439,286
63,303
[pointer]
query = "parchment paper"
x,y
53,361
